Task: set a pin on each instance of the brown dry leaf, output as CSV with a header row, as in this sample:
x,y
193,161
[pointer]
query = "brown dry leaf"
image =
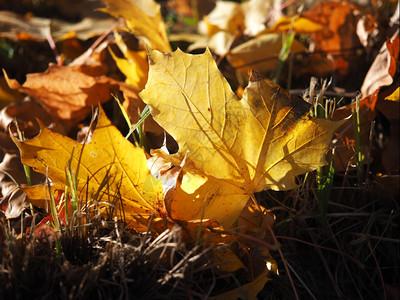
x,y
230,148
6,144
14,202
68,93
12,199
26,113
339,20
107,155
339,34
143,18
260,54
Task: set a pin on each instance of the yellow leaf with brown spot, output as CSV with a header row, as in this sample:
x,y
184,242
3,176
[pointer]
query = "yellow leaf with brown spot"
x,y
107,155
262,141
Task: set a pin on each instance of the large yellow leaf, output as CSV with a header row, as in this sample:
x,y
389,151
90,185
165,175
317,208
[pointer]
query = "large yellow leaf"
x,y
143,18
240,146
107,154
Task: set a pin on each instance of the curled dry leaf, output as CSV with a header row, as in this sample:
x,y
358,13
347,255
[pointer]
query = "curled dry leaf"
x,y
107,155
26,113
230,148
383,69
12,198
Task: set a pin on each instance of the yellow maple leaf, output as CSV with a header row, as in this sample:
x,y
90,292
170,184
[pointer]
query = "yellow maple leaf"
x,y
241,146
107,154
143,19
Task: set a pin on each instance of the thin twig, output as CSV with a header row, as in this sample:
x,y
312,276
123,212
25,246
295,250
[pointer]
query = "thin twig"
x,y
53,47
279,249
321,247
379,270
